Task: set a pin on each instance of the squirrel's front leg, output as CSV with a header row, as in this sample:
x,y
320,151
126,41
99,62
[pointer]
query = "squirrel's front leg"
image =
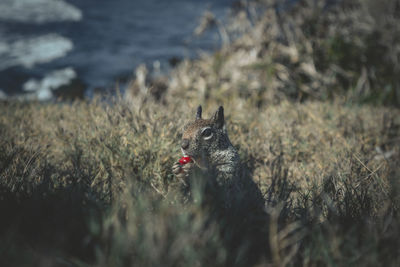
x,y
182,171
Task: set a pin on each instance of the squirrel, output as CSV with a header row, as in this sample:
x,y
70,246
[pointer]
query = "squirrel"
x,y
207,143
229,193
216,162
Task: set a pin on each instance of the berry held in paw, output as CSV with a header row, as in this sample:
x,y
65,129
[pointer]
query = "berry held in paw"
x,y
185,160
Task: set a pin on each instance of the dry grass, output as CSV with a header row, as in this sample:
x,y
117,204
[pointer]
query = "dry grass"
x,y
308,50
90,183
103,173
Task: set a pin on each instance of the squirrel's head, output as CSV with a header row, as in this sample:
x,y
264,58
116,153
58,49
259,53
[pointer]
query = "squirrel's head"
x,y
202,137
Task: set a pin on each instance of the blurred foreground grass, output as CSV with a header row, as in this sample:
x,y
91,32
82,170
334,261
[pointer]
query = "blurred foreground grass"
x,y
89,183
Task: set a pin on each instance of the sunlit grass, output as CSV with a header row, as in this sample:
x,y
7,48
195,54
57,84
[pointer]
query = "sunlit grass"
x,y
97,178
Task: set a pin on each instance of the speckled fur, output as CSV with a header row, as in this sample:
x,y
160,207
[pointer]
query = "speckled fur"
x,y
227,189
216,160
216,154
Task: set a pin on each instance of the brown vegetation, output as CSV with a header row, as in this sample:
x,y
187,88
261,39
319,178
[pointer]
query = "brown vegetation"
x,y
90,183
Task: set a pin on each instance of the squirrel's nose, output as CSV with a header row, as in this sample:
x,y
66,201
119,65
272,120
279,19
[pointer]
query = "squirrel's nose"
x,y
185,143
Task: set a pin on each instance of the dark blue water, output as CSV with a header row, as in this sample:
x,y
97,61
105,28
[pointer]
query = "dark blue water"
x,y
109,40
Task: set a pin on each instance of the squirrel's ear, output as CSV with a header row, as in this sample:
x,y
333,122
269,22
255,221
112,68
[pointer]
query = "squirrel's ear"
x,y
218,118
198,113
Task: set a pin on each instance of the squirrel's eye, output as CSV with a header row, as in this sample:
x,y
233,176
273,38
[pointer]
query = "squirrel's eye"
x,y
206,132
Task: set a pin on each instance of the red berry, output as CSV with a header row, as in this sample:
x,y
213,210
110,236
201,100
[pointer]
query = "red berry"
x,y
185,160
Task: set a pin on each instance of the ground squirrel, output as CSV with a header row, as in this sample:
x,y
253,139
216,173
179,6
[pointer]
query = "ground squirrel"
x,y
206,141
234,201
216,164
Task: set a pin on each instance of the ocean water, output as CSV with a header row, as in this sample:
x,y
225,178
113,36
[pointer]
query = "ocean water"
x,y
45,43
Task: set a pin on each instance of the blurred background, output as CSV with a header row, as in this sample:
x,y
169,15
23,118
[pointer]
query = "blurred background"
x,y
45,44
267,49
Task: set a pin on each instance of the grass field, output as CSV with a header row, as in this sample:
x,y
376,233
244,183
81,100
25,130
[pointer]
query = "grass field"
x,y
89,183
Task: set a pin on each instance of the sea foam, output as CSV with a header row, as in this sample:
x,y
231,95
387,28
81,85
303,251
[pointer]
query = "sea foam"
x,y
30,51
38,11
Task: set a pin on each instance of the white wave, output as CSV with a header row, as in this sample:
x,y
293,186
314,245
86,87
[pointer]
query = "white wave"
x,y
38,11
42,89
3,95
51,81
33,50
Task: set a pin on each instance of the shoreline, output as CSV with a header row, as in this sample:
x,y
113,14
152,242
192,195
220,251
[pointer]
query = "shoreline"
x,y
123,54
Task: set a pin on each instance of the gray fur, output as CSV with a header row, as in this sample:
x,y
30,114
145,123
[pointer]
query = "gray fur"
x,y
217,160
216,154
227,190
218,118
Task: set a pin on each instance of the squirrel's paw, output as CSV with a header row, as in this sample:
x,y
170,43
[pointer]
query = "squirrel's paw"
x,y
182,171
176,168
